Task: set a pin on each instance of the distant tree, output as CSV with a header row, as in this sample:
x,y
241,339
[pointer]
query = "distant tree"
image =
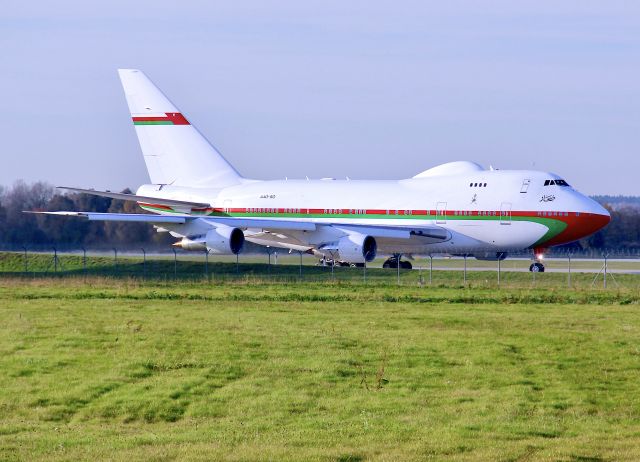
x,y
3,216
22,228
63,230
623,232
94,231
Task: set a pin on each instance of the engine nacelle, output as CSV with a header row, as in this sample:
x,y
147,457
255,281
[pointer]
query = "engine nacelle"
x,y
490,256
223,240
357,248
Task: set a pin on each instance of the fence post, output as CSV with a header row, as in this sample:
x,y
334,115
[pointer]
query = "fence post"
x,y
144,263
333,265
605,269
268,262
569,274
84,262
430,269
300,264
499,268
238,263
206,263
115,260
55,260
175,264
398,266
465,269
26,266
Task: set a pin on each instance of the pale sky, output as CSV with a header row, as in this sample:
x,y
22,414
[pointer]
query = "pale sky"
x,y
328,88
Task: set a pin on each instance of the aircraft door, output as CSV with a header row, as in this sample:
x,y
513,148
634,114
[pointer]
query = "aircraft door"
x,y
441,213
525,186
227,205
505,213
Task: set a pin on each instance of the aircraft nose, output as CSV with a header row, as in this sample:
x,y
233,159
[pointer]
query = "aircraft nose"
x,y
594,218
588,218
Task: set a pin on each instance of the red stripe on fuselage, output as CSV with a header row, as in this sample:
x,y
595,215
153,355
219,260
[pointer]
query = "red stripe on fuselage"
x,y
175,117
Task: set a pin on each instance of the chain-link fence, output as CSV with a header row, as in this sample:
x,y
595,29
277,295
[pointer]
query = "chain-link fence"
x,y
559,268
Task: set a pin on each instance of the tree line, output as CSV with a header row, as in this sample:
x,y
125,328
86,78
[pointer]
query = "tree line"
x,y
19,229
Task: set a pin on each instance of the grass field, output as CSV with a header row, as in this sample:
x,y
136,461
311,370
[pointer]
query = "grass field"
x,y
247,369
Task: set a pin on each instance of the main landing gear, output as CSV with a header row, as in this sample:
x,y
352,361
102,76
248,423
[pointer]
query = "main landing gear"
x,y
537,266
329,262
393,263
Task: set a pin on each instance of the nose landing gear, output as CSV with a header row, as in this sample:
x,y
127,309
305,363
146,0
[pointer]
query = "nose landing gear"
x,y
537,266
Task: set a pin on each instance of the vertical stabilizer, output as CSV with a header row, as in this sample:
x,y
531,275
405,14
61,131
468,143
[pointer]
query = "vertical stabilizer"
x,y
175,152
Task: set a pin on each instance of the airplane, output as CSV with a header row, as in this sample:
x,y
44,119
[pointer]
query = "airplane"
x,y
458,208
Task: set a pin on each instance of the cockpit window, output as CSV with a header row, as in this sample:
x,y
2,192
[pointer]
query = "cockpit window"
x,y
555,182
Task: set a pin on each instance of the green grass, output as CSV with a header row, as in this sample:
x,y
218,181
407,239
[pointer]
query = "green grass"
x,y
191,267
122,369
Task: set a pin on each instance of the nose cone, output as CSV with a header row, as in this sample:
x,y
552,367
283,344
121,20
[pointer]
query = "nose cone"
x,y
596,217
594,208
589,217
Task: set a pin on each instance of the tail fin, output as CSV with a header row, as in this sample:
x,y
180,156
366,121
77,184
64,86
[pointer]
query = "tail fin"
x,y
174,150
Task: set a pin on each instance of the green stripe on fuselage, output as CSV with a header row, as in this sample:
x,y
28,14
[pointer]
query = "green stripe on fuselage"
x,y
152,122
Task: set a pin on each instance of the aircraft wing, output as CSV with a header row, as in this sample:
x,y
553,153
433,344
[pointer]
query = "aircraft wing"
x,y
393,232
276,232
136,198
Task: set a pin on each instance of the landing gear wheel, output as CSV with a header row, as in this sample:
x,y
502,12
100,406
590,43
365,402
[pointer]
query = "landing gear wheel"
x,y
536,267
393,263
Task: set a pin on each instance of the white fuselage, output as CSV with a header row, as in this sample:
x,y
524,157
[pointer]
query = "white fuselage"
x,y
483,210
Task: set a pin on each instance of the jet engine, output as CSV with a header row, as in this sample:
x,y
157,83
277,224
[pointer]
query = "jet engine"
x,y
357,248
223,240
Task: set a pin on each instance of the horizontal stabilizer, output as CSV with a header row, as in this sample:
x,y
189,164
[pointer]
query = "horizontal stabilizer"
x,y
239,222
135,198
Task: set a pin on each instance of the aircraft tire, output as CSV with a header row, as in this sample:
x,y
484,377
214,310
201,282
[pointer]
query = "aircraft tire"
x,y
536,267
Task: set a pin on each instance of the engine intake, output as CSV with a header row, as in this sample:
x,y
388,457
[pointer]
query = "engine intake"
x,y
223,240
357,248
